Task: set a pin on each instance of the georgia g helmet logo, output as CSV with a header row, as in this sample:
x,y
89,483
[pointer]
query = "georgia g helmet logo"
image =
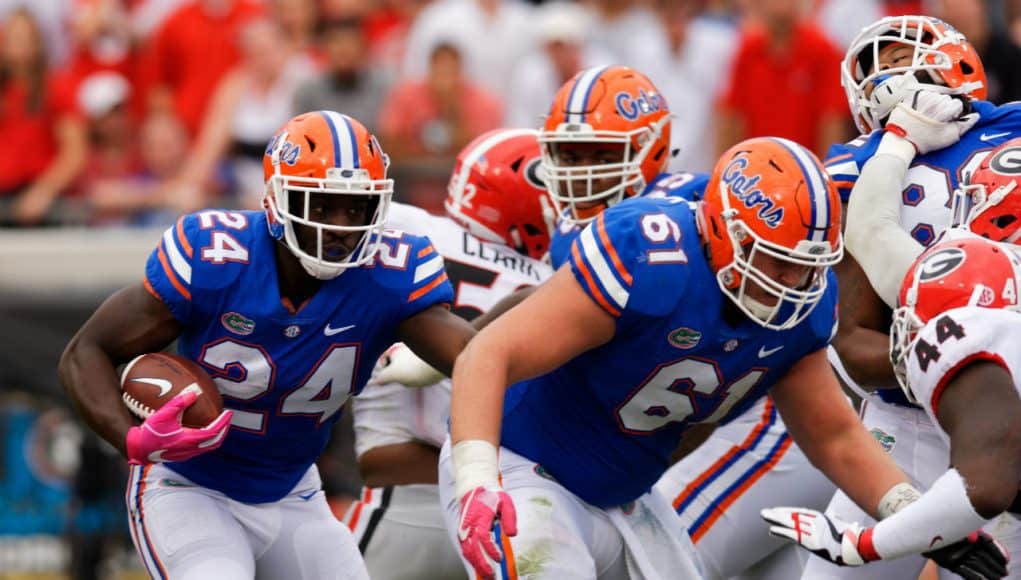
x,y
1007,161
940,263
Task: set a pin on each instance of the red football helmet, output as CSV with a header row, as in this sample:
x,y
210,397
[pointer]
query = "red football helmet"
x,y
497,192
988,202
941,57
771,197
325,153
962,270
607,104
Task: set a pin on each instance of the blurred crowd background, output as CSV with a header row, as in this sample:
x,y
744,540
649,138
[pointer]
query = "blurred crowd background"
x,y
116,116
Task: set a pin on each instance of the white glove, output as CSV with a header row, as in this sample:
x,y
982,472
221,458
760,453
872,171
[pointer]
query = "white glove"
x,y
399,365
929,120
825,537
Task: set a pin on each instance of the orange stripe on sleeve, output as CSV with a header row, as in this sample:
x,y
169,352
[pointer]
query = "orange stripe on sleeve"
x,y
181,238
719,463
614,258
170,273
737,493
425,251
844,184
593,288
838,158
148,287
425,289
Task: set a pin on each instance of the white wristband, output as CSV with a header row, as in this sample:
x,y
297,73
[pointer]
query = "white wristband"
x,y
475,465
896,498
943,515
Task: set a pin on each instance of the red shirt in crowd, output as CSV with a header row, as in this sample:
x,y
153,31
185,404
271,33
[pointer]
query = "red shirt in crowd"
x,y
410,112
786,93
192,51
29,135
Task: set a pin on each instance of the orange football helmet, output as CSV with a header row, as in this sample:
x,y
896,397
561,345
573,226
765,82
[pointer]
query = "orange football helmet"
x,y
325,152
769,200
608,104
942,58
497,192
964,270
988,202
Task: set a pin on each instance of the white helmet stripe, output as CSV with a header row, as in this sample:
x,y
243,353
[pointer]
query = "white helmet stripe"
x,y
345,145
818,192
580,92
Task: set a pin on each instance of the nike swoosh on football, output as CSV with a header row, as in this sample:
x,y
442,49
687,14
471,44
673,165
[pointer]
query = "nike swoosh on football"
x,y
163,385
763,353
331,331
984,137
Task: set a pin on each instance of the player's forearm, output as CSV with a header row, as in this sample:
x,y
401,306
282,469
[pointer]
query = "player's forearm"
x,y
479,383
942,515
873,234
90,380
837,444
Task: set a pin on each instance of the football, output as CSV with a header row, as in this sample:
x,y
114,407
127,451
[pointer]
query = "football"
x,y
152,379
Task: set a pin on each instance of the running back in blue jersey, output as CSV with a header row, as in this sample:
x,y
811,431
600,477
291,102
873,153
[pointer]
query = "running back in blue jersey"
x,y
285,370
685,185
605,423
931,179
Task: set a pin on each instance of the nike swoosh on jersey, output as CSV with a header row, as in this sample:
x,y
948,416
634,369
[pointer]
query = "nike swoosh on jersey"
x,y
991,136
331,331
308,496
163,385
763,352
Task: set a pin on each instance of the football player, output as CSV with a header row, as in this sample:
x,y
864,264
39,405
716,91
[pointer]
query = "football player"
x,y
924,75
497,229
286,309
592,417
954,352
750,462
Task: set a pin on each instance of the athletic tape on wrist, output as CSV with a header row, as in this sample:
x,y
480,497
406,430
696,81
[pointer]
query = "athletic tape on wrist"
x,y
896,498
475,465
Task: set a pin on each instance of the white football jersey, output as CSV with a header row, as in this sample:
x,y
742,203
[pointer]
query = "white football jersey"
x,y
482,273
956,337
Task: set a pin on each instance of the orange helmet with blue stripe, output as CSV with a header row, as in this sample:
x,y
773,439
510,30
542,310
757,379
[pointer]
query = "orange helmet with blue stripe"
x,y
325,152
611,105
770,206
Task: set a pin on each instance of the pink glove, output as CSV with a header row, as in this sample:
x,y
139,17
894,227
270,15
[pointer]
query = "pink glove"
x,y
480,508
162,437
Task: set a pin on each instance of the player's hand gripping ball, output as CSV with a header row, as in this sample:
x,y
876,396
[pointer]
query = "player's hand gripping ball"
x,y
152,380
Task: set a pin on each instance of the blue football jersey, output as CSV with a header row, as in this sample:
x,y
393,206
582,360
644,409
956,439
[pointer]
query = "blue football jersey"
x,y
605,423
285,370
931,179
689,186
